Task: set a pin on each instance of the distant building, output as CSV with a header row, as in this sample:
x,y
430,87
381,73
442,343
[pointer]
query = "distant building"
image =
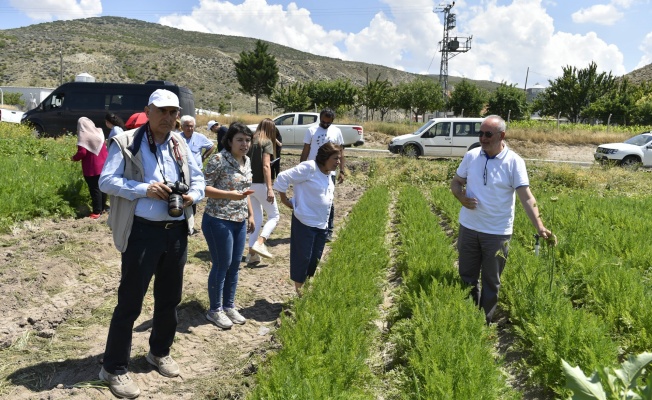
x,y
533,92
32,96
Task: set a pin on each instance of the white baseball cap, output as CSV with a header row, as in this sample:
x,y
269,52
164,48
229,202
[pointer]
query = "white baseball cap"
x,y
164,98
210,124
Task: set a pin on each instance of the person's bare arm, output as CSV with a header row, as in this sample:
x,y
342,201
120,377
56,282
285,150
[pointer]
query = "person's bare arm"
x,y
305,152
530,206
267,175
458,185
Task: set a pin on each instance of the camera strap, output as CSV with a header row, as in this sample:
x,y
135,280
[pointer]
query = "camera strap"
x,y
175,153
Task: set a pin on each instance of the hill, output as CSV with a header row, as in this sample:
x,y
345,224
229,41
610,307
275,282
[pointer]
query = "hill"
x,y
115,49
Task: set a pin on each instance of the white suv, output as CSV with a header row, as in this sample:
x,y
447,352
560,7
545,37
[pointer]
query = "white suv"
x,y
634,151
439,137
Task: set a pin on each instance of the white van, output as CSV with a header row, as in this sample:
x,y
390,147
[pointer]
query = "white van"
x,y
439,137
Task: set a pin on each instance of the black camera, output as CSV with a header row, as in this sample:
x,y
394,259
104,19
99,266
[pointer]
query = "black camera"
x,y
175,200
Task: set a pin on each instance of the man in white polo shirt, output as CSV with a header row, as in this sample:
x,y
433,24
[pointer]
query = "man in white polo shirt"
x,y
314,138
485,184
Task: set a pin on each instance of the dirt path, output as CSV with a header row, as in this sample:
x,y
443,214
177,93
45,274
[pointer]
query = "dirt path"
x,y
59,281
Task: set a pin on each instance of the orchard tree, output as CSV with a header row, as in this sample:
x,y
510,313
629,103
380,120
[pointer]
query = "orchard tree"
x,y
340,95
467,97
257,72
617,105
572,93
293,98
508,101
376,95
419,96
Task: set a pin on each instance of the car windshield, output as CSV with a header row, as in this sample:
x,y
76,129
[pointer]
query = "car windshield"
x,y
639,140
423,128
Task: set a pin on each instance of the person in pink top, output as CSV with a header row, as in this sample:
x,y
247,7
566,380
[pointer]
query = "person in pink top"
x,y
92,152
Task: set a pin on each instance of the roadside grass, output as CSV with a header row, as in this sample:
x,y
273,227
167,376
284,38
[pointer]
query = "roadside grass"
x,y
538,131
327,341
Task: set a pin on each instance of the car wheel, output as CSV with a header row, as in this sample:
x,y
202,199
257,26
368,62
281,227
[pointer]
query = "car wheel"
x,y
411,150
37,131
630,161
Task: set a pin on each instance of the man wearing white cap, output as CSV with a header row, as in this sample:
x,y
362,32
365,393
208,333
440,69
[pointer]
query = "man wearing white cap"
x,y
220,131
153,181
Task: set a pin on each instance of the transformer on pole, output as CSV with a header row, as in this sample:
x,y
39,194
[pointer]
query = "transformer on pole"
x,y
450,47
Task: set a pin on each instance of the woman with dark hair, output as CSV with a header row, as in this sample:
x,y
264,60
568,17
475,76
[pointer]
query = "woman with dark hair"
x,y
115,123
262,199
313,197
92,152
227,220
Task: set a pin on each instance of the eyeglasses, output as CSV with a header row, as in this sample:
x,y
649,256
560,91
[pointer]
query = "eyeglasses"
x,y
487,134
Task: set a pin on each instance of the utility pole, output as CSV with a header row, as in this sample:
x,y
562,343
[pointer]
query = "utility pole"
x,y
61,63
449,47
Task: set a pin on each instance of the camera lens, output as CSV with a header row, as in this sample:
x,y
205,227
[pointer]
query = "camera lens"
x,y
175,205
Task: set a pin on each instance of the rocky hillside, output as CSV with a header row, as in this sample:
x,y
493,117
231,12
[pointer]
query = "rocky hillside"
x,y
116,49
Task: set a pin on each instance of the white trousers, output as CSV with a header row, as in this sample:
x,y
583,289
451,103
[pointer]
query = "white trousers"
x,y
259,204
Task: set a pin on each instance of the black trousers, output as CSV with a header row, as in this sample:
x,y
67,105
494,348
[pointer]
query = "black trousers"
x,y
98,199
151,250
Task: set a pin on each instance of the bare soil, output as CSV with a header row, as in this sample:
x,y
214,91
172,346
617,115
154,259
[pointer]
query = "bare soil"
x,y
58,282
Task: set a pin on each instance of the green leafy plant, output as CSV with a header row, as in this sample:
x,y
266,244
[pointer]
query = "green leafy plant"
x,y
608,384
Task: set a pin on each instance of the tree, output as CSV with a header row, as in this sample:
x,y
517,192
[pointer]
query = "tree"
x,y
419,96
572,93
468,98
257,72
508,101
340,95
376,94
294,98
617,105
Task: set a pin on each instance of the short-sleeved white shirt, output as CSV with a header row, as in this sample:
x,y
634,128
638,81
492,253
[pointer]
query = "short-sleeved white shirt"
x,y
316,136
493,182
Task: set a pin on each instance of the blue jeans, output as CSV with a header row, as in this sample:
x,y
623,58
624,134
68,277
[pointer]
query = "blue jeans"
x,y
306,247
226,241
151,251
482,258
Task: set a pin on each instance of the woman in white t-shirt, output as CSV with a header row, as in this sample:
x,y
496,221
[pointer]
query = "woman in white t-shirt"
x,y
311,205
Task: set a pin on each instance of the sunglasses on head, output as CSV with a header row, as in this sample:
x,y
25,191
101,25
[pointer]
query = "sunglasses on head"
x,y
487,134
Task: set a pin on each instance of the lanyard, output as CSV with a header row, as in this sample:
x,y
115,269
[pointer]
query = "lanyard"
x,y
175,152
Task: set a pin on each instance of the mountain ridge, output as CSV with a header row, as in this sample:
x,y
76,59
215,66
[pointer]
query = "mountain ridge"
x,y
117,49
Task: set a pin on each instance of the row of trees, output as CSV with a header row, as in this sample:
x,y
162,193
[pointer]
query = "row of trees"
x,y
580,95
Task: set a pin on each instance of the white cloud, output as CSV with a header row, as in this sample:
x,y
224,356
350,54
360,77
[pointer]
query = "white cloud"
x,y
507,39
646,48
48,10
521,36
292,27
602,14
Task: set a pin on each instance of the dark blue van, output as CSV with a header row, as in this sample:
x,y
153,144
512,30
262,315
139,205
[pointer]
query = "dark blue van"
x,y
59,112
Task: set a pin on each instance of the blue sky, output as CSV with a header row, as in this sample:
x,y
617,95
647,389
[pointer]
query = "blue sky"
x,y
510,37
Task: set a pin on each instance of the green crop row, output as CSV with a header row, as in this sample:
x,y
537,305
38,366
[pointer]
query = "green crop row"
x,y
443,347
327,343
587,300
38,178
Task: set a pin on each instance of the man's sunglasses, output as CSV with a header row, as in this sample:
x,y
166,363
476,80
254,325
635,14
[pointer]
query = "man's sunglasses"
x,y
487,134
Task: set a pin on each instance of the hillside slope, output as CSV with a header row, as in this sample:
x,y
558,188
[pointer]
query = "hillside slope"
x,y
115,49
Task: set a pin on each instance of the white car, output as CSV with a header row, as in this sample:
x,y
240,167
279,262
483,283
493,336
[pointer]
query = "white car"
x,y
633,151
439,137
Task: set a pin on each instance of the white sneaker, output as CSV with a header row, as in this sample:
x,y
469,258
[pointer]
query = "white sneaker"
x,y
234,316
252,258
121,386
261,249
219,318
